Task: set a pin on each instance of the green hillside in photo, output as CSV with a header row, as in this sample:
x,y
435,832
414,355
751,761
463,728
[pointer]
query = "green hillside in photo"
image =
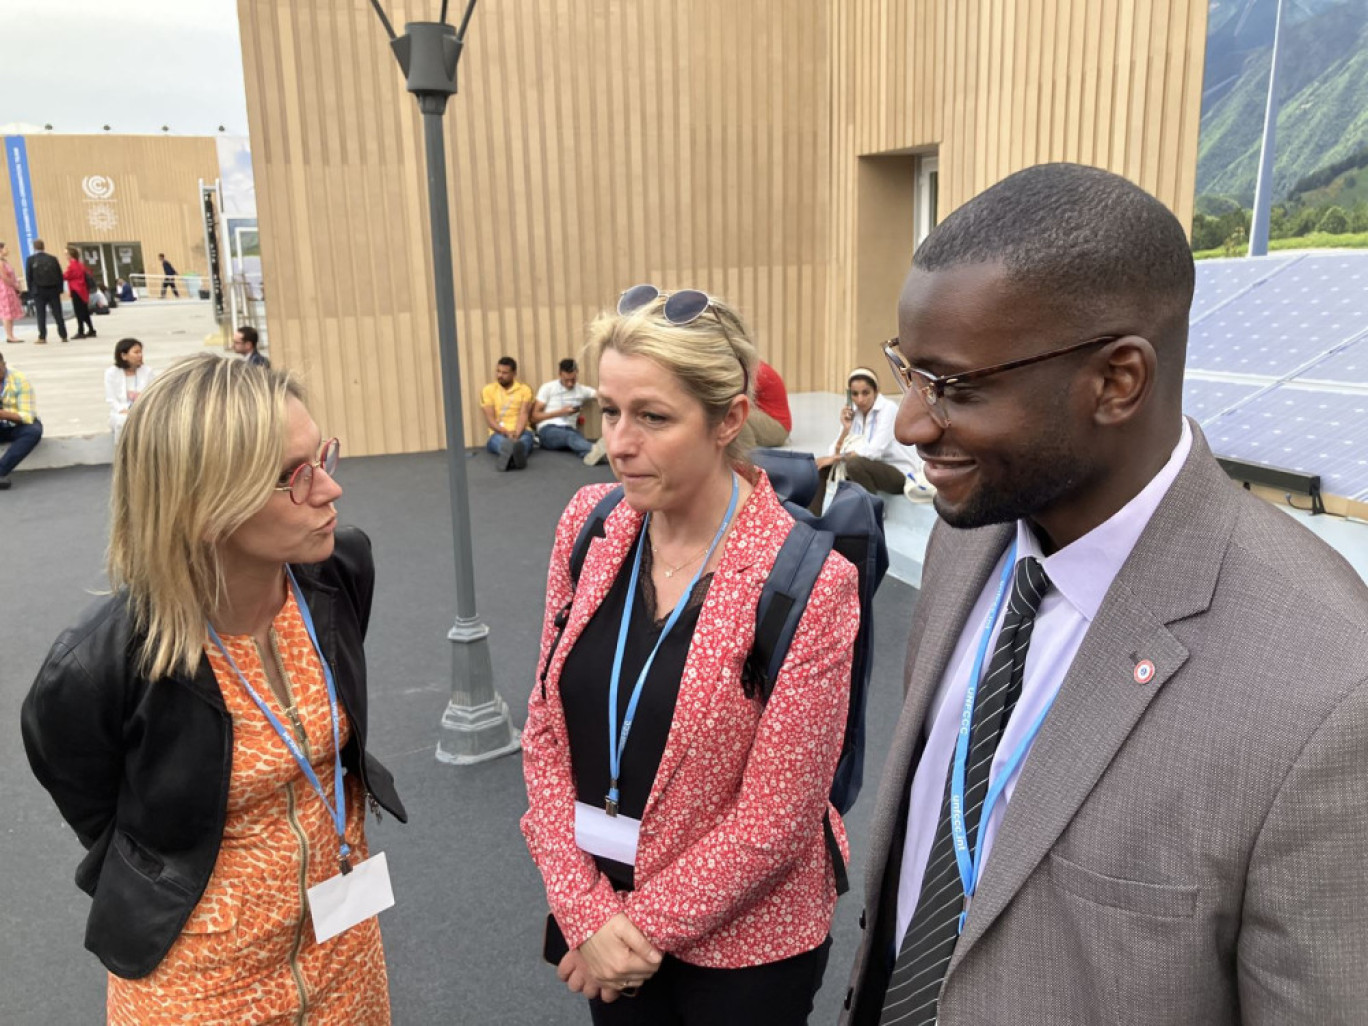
x,y
1324,85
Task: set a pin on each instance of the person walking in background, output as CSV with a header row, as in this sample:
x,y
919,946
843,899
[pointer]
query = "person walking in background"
x,y
125,381
11,306
78,281
770,421
245,345
507,406
202,729
19,423
557,410
865,451
691,863
44,276
168,277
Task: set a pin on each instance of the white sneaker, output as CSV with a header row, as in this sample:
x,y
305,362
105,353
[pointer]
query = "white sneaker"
x,y
596,455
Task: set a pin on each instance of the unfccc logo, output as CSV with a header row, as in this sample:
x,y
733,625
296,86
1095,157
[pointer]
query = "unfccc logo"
x,y
97,187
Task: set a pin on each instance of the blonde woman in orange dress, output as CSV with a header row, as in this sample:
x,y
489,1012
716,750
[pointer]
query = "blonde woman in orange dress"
x,y
11,308
202,729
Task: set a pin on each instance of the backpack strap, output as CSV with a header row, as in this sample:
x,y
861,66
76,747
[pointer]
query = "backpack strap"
x,y
784,598
591,528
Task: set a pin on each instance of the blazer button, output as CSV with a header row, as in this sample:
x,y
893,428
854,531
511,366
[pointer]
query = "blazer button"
x,y
849,994
862,919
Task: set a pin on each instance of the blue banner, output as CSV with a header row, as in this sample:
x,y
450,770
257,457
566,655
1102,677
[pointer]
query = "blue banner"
x,y
16,159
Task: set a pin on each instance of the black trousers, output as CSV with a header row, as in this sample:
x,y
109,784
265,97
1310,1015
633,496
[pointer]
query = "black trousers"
x,y
49,299
679,994
81,309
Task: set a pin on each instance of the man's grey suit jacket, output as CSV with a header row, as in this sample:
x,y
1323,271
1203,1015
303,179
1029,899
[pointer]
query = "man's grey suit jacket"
x,y
1188,850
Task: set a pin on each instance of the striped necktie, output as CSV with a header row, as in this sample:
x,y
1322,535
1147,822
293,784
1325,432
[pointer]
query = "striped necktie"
x,y
914,986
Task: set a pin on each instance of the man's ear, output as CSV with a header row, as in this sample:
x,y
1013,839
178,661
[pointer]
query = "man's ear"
x,y
1126,371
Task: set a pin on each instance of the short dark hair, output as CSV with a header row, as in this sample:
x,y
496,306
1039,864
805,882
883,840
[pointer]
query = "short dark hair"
x,y
39,244
121,349
567,366
249,334
508,361
1086,236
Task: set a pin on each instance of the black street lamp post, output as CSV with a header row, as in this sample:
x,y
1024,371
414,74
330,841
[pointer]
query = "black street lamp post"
x,y
476,724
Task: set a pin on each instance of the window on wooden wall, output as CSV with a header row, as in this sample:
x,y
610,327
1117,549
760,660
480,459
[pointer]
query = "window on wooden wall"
x,y
927,195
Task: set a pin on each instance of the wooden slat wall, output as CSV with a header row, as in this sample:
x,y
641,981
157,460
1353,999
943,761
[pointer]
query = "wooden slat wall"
x,y
993,86
155,199
712,143
594,144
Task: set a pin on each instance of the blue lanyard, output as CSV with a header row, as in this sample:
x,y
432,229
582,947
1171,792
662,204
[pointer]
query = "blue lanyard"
x,y
616,745
338,811
971,868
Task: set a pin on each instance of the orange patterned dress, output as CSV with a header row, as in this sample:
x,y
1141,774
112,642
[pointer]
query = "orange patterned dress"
x,y
247,954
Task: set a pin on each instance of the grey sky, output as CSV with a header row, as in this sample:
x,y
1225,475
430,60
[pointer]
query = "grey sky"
x,y
132,64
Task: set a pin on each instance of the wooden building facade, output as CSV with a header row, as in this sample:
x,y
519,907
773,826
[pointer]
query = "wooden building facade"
x,y
124,198
783,155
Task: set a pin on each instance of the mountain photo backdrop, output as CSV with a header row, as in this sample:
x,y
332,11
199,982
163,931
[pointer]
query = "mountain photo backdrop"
x,y
1320,178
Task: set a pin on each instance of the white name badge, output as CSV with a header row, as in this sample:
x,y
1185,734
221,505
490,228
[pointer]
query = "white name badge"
x,y
609,837
345,900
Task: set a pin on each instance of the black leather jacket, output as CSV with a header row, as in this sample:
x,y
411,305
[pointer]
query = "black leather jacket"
x,y
139,768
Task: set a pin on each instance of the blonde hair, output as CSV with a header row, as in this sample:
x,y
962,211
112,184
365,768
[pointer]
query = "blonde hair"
x,y
712,357
199,455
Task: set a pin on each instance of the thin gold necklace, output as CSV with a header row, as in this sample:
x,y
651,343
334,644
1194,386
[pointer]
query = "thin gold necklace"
x,y
670,571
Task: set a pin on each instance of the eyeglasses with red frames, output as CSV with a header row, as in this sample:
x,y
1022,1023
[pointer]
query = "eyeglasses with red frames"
x,y
931,389
299,482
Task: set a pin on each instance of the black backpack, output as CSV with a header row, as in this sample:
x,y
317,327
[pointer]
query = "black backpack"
x,y
47,272
853,526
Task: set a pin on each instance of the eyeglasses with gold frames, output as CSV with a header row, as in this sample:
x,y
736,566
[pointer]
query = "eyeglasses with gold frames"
x,y
931,389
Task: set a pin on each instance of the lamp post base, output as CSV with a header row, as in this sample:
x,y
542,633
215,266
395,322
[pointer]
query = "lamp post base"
x,y
476,725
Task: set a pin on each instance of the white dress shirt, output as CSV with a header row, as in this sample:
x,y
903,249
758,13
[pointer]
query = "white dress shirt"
x,y
871,436
1080,576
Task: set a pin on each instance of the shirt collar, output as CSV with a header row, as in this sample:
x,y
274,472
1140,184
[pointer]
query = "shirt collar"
x,y
1083,570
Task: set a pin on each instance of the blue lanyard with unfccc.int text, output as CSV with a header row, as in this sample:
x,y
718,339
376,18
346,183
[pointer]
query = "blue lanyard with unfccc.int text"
x,y
617,745
970,869
337,810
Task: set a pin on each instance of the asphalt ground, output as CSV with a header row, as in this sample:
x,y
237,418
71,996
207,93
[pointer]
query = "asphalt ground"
x,y
464,939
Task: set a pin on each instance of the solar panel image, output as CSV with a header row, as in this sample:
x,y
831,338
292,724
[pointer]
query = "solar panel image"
x,y
1284,321
1349,366
1310,430
1278,364
1203,400
1219,280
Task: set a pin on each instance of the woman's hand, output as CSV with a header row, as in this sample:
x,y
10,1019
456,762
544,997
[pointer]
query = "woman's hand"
x,y
825,461
575,975
619,955
847,416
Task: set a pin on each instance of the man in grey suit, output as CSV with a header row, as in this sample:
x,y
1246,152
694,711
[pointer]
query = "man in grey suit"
x,y
1129,783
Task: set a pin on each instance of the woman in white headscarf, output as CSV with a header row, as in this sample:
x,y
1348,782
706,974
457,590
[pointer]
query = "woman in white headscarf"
x,y
865,451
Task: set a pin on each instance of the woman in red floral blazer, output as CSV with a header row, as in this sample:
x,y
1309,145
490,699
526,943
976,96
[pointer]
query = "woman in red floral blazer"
x,y
676,818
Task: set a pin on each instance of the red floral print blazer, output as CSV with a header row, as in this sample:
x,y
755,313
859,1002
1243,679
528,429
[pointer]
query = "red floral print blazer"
x,y
732,869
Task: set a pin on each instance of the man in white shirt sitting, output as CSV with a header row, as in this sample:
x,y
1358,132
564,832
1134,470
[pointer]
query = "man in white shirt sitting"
x,y
557,411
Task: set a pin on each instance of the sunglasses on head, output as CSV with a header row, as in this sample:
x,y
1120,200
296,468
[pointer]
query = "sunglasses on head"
x,y
681,307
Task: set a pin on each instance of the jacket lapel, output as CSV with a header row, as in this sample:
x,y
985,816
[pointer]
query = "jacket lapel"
x,y
928,654
1170,575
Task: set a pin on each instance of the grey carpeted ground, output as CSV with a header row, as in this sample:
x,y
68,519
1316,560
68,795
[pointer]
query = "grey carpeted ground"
x,y
463,941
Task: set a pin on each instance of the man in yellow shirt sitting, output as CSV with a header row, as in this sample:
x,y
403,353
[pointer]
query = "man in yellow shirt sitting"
x,y
507,406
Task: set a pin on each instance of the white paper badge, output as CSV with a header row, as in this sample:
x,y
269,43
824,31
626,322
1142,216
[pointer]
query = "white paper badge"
x,y
345,900
610,837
